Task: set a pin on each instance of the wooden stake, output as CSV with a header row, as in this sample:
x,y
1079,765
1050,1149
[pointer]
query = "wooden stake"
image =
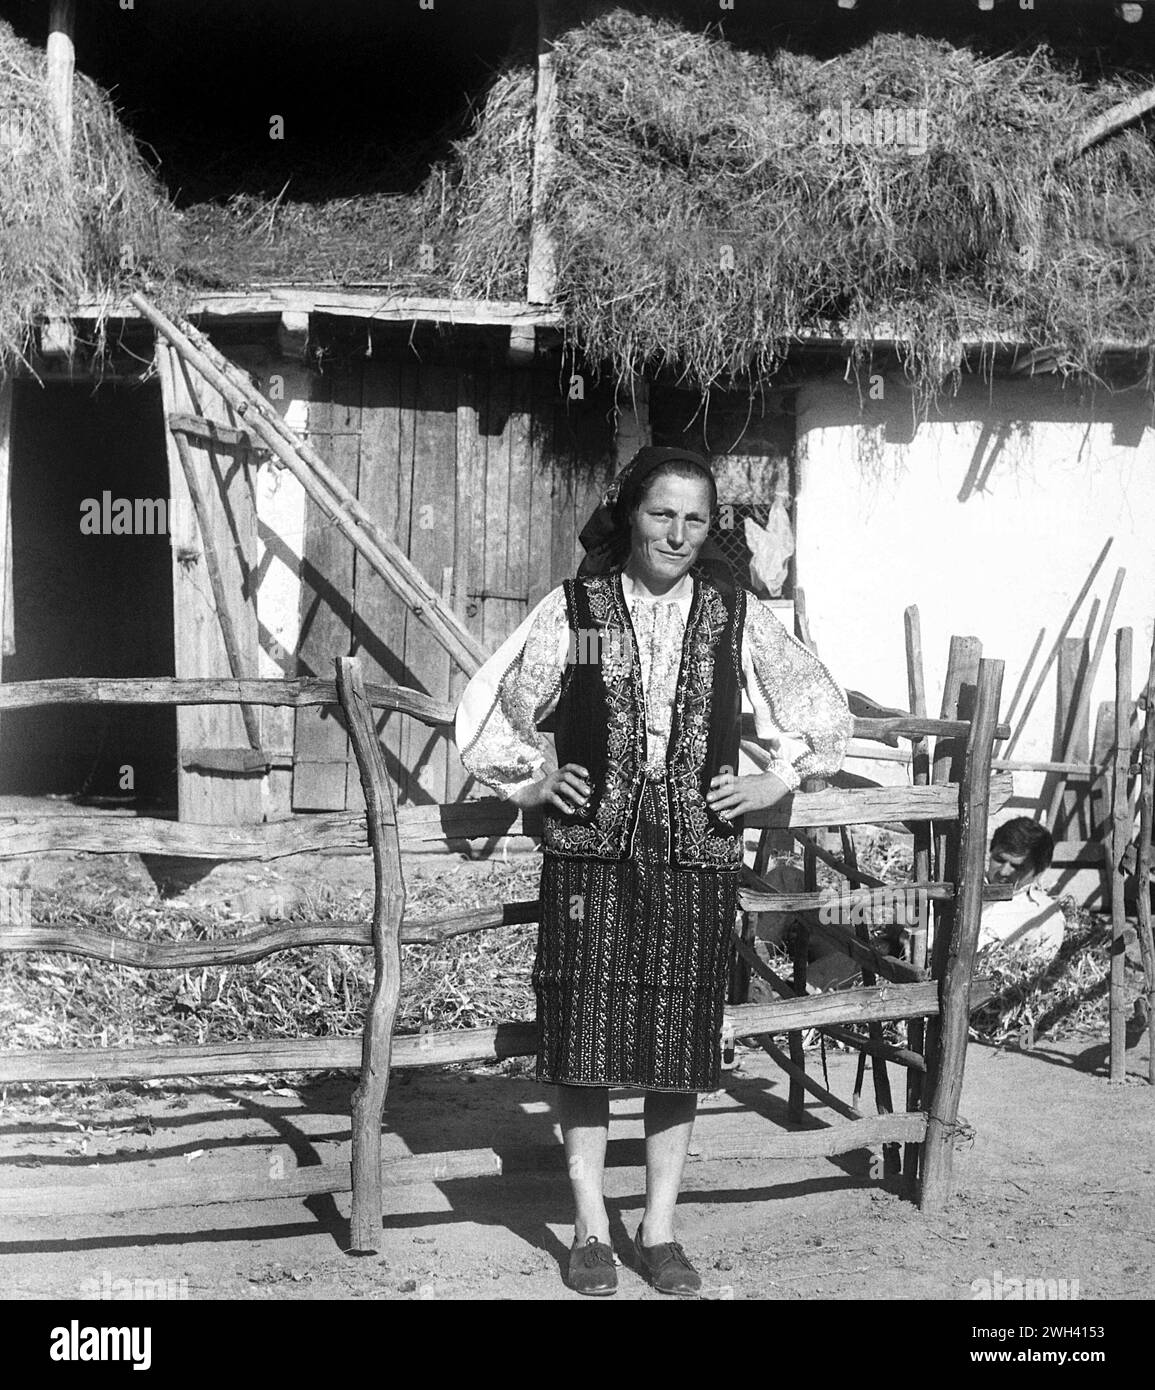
x,y
1082,693
1120,839
1143,859
920,772
949,759
388,910
1026,671
946,1079
799,1077
1066,627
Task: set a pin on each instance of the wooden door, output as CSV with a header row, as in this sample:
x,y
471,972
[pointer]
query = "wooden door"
x,y
208,794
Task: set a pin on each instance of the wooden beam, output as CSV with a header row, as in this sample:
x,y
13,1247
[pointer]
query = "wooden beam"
x,y
6,624
216,690
61,69
1117,118
541,284
379,305
212,432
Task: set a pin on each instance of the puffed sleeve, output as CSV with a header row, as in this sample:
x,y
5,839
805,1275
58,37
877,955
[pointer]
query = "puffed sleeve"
x,y
497,717
799,708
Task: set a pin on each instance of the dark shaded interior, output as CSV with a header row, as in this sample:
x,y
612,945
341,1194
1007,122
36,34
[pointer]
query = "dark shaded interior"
x,y
88,605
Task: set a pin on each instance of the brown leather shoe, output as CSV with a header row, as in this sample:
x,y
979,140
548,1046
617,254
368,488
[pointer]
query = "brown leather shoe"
x,y
666,1267
591,1269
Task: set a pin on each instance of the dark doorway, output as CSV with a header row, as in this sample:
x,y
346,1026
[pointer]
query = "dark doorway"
x,y
88,605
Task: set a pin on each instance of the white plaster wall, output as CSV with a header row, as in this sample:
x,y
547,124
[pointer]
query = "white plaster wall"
x,y
881,525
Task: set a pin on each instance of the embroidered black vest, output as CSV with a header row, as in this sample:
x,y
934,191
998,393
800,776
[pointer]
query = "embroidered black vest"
x,y
600,724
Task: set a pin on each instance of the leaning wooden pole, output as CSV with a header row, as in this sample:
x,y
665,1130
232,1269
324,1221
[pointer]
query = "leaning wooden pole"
x,y
1058,646
328,492
388,910
1143,859
946,1080
1120,839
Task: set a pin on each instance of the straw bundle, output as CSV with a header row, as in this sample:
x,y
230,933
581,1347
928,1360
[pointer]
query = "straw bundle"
x,y
62,238
708,207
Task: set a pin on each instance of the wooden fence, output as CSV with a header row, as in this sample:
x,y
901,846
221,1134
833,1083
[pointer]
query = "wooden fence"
x,y
954,804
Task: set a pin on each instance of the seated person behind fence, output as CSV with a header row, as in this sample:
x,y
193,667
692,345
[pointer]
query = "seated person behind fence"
x,y
1020,852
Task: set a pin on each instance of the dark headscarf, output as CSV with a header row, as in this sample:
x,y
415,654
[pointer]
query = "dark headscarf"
x,y
606,535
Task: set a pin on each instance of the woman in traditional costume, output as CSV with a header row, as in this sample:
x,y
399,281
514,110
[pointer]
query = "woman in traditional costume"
x,y
638,664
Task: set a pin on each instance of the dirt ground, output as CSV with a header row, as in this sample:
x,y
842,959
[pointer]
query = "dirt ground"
x,y
1058,1183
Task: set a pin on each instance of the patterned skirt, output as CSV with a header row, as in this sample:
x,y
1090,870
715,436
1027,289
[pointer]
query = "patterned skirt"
x,y
632,965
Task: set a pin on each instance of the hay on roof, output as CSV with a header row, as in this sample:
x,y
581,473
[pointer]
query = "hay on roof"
x,y
464,231
67,235
705,214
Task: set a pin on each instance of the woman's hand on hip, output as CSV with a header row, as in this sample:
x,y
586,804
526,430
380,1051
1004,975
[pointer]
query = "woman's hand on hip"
x,y
732,796
564,788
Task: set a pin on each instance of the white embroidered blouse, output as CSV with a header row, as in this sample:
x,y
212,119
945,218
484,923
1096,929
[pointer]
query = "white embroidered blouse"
x,y
800,712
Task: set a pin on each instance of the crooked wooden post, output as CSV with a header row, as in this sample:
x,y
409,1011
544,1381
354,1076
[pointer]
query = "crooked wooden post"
x,y
962,671
1143,860
388,910
946,1079
1119,840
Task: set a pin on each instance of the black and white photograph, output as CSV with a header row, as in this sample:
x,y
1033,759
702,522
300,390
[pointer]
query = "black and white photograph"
x,y
577,697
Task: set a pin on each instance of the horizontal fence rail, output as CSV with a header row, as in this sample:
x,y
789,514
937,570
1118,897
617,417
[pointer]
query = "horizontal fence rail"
x,y
312,690
419,826
54,1196
878,1002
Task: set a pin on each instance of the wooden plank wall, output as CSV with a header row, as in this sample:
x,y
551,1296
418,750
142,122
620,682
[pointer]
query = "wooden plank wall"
x,y
226,482
484,474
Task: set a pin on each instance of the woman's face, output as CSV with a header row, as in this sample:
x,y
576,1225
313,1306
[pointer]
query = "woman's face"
x,y
668,529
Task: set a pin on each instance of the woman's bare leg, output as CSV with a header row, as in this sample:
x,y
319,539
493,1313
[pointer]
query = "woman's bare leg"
x,y
669,1124
584,1113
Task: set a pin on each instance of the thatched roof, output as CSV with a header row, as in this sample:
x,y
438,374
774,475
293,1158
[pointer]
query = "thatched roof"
x,y
676,144
705,206
63,240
